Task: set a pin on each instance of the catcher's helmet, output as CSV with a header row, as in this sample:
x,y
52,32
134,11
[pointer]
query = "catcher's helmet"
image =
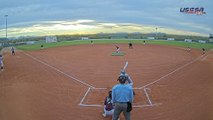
x,y
122,79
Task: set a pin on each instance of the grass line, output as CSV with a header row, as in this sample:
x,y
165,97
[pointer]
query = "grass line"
x,y
207,46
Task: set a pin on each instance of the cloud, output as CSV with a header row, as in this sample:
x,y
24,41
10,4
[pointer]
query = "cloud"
x,y
158,13
44,28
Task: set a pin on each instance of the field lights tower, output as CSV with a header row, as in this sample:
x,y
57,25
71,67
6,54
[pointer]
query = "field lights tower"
x,y
6,25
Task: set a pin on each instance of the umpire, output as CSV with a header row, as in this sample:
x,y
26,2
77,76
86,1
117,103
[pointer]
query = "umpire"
x,y
121,95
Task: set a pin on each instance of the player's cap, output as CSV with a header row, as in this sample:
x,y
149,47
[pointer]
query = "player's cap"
x,y
122,79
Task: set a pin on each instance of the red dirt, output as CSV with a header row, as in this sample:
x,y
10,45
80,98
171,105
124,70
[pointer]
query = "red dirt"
x,y
33,90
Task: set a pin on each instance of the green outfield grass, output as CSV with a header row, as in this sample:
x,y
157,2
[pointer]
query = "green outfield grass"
x,y
207,46
126,41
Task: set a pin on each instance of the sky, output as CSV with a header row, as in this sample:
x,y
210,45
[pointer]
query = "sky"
x,y
58,17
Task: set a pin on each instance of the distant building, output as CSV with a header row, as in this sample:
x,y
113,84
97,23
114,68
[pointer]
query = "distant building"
x,y
84,38
201,41
188,40
30,42
50,39
150,38
170,38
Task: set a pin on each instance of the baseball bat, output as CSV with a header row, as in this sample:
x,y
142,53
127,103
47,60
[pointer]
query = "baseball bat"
x,y
125,66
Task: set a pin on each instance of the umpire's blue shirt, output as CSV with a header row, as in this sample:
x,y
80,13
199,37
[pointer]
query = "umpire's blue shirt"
x,y
122,93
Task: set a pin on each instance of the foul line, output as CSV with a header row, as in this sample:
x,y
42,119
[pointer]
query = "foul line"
x,y
56,69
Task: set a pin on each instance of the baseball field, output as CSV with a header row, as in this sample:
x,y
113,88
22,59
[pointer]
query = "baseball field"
x,y
70,82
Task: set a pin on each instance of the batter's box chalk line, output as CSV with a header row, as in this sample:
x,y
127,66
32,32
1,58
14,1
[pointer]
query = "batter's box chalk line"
x,y
149,104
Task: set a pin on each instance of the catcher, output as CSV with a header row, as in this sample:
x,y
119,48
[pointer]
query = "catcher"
x,y
108,106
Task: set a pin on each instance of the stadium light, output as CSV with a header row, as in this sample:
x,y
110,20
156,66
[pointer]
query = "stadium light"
x,y
6,24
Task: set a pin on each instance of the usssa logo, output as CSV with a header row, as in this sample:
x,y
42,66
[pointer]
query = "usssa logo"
x,y
193,10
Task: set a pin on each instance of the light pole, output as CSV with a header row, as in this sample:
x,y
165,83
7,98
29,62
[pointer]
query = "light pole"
x,y
156,33
6,25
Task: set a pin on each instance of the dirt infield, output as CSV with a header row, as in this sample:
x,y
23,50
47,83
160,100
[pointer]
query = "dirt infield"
x,y
70,83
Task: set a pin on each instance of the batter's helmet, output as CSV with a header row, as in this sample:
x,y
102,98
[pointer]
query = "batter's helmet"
x,y
122,79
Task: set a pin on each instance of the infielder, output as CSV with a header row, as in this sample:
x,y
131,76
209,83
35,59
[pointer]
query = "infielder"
x,y
189,49
204,51
144,42
91,42
130,45
13,50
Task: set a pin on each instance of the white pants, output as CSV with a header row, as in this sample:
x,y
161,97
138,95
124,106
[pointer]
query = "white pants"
x,y
1,64
108,113
117,50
